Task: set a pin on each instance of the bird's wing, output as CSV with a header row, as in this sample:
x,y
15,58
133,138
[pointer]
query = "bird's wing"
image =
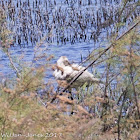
x,y
86,76
59,75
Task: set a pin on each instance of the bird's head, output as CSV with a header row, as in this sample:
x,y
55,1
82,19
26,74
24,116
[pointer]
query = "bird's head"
x,y
63,61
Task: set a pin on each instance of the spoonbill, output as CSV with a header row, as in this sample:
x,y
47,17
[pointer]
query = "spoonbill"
x,y
65,71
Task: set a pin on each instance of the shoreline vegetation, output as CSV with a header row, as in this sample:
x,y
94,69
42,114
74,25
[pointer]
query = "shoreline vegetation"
x,y
33,109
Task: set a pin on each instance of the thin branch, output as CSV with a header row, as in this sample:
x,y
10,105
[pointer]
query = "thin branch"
x,y
13,65
107,78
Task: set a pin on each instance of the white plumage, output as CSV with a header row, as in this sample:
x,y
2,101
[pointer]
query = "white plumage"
x,y
66,71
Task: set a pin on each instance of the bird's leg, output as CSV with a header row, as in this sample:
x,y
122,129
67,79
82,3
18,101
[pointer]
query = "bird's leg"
x,y
70,91
70,94
78,93
88,85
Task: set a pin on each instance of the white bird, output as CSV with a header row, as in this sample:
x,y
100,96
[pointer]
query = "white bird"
x,y
66,71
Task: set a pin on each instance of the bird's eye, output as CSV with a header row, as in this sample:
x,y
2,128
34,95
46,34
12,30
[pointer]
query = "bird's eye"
x,y
66,63
62,72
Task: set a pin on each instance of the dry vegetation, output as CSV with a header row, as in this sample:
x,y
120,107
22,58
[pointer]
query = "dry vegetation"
x,y
113,110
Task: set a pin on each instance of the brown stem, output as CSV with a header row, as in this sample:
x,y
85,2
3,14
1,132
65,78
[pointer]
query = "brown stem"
x,y
105,105
107,78
119,117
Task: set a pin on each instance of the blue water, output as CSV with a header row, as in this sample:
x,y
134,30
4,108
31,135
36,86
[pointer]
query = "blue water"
x,y
28,22
73,52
